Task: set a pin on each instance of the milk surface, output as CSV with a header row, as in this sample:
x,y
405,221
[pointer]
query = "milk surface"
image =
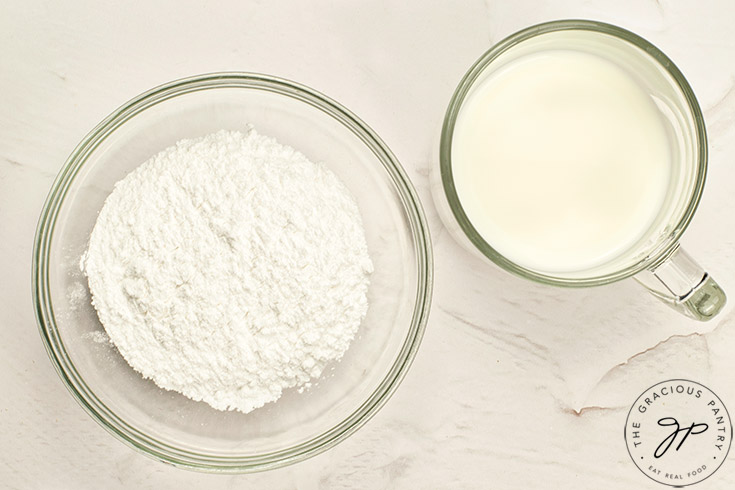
x,y
561,160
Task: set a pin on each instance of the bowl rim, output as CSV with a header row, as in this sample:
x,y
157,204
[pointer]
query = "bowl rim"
x,y
187,458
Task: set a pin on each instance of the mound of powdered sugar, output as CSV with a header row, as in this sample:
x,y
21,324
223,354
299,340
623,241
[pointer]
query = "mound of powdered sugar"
x,y
229,268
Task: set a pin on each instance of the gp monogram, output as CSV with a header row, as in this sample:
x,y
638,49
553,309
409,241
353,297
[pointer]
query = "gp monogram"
x,y
678,432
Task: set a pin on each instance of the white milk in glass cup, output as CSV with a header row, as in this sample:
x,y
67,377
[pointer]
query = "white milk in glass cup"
x,y
574,153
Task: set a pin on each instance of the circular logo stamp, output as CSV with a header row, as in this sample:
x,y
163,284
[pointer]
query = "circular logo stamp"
x,y
678,432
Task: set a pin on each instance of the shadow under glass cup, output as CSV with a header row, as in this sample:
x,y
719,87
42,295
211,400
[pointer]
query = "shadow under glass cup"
x,y
652,257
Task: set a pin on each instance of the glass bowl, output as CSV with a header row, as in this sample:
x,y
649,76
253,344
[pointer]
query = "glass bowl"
x,y
164,424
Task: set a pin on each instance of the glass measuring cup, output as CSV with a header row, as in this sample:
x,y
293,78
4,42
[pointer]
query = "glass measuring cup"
x,y
656,260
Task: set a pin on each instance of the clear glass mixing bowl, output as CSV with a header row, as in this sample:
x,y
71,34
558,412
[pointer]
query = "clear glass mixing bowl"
x,y
165,424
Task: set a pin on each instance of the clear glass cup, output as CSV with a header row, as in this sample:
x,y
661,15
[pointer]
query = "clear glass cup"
x,y
656,260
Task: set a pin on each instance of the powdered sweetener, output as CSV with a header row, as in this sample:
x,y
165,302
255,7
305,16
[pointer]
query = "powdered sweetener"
x,y
229,268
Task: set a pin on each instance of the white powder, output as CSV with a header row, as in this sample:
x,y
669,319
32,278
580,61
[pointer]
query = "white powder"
x,y
97,337
229,268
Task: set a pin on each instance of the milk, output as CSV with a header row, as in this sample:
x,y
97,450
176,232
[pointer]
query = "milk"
x,y
561,161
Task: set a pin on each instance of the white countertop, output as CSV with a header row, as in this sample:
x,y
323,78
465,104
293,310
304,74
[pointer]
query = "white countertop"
x,y
516,385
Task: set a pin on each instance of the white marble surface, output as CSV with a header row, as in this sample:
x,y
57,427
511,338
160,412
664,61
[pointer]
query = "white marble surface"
x,y
516,385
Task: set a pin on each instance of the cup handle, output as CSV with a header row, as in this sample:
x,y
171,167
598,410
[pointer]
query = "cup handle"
x,y
682,284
